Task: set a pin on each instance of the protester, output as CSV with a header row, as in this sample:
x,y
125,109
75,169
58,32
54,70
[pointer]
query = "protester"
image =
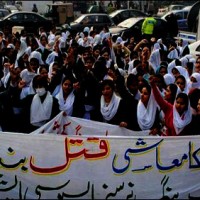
x,y
74,68
112,108
178,115
38,108
69,99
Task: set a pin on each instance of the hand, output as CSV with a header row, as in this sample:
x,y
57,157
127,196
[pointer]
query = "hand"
x,y
123,124
152,80
154,131
21,84
76,86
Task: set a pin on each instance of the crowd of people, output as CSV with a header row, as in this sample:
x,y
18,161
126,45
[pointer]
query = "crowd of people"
x,y
152,84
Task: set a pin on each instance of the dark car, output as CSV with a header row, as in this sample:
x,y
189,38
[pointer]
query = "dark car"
x,y
181,16
4,12
29,20
132,27
95,20
120,15
96,9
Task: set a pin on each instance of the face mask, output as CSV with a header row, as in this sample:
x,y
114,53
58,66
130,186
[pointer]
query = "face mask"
x,y
40,91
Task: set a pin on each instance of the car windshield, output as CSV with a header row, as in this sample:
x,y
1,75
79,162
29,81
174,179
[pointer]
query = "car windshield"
x,y
128,22
114,13
78,20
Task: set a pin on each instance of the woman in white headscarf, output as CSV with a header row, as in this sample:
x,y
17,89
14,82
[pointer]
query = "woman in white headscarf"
x,y
21,51
195,80
112,108
178,115
39,108
147,111
69,99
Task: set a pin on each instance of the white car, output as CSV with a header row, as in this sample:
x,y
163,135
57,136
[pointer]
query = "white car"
x,y
195,48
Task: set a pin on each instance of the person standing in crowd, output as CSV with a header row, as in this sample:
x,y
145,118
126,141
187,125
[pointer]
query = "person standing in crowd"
x,y
34,8
112,108
39,108
178,115
148,26
172,24
69,99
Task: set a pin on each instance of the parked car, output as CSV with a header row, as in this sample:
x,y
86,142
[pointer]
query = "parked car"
x,y
164,10
120,15
195,48
133,26
95,20
29,20
96,9
176,7
3,13
181,16
11,8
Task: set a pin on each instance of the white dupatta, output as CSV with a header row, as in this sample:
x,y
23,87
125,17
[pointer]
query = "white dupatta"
x,y
146,115
67,105
181,121
109,111
40,112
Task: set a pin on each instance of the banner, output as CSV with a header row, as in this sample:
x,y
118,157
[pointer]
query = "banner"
x,y
94,166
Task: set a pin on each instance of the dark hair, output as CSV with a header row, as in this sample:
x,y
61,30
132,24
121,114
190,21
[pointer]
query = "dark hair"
x,y
90,58
130,79
181,77
43,67
147,86
40,81
100,69
35,60
105,50
190,65
194,97
178,62
108,82
185,98
69,77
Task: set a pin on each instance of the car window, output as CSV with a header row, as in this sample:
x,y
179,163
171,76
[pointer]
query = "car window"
x,y
91,19
185,15
179,15
125,14
198,48
1,14
16,17
99,19
134,13
85,20
106,19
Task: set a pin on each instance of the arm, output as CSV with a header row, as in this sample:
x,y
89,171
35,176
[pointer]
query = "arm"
x,y
164,105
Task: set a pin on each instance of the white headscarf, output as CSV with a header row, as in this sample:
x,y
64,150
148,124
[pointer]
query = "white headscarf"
x,y
146,115
51,57
41,112
67,105
173,54
22,49
197,77
181,121
108,112
168,78
154,59
97,40
37,55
